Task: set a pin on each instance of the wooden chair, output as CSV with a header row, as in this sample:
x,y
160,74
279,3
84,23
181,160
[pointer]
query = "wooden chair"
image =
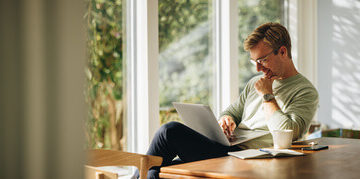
x,y
100,158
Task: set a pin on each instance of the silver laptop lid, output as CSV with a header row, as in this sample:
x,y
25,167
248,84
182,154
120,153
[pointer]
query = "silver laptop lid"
x,y
200,118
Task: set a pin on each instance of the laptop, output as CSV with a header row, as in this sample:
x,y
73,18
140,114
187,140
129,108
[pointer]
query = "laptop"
x,y
200,118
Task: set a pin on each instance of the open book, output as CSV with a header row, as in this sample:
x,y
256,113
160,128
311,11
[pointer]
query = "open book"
x,y
264,153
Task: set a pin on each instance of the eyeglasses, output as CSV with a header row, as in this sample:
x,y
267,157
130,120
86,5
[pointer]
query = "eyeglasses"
x,y
261,60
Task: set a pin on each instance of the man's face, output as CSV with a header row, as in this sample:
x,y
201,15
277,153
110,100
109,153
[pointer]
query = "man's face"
x,y
266,61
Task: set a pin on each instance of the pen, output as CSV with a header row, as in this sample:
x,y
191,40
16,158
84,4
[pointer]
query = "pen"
x,y
262,150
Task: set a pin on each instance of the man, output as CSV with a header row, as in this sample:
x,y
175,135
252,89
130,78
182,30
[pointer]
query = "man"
x,y
281,98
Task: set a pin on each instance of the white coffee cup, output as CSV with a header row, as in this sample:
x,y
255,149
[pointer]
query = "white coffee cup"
x,y
282,138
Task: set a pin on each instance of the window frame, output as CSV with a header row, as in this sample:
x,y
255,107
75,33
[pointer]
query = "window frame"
x,y
225,53
142,77
142,59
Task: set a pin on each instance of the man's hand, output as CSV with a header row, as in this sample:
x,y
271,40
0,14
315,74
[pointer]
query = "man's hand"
x,y
264,86
228,125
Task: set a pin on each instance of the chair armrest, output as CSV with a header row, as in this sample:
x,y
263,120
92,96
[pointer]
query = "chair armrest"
x,y
95,173
100,157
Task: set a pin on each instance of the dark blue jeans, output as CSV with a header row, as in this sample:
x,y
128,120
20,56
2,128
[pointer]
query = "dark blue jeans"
x,y
175,139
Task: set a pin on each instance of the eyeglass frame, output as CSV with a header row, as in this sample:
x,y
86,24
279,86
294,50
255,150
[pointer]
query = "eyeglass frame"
x,y
262,60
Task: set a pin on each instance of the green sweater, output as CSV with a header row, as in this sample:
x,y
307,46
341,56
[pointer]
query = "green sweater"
x,y
297,99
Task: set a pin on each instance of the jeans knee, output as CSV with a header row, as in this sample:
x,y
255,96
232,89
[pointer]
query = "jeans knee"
x,y
171,128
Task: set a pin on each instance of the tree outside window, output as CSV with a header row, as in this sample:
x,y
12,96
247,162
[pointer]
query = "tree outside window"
x,y
105,75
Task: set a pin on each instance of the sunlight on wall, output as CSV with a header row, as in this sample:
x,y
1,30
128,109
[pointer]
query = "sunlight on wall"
x,y
341,61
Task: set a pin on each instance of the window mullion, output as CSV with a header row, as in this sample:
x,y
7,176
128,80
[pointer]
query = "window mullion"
x,y
143,73
226,53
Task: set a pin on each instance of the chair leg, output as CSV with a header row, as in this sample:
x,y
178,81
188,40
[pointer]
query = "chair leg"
x,y
100,175
144,162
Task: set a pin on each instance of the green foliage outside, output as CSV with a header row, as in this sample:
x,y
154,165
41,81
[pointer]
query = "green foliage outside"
x,y
185,63
178,18
185,67
105,75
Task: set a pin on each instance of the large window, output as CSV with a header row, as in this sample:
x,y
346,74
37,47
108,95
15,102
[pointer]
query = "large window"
x,y
186,73
185,60
251,15
105,75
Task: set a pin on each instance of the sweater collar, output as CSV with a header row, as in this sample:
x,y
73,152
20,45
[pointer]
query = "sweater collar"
x,y
287,80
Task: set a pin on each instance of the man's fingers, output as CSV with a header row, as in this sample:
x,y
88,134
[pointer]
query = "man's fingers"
x,y
224,127
228,126
226,130
233,126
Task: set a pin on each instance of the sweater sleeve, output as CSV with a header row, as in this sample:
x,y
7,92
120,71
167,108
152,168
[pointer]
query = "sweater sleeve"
x,y
297,115
235,110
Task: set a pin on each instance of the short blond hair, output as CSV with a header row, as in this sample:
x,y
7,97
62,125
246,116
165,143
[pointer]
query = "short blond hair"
x,y
273,34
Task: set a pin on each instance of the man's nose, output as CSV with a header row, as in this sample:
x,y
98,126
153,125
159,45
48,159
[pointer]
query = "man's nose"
x,y
258,67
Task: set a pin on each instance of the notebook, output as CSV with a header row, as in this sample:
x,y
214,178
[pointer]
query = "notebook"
x,y
264,153
201,119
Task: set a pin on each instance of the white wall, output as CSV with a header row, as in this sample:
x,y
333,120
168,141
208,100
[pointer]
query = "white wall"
x,y
339,63
303,34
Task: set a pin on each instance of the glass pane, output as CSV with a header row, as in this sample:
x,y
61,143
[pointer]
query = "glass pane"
x,y
185,62
252,14
105,75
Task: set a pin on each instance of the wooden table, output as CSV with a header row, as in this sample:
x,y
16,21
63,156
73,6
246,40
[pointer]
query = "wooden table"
x,y
341,160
